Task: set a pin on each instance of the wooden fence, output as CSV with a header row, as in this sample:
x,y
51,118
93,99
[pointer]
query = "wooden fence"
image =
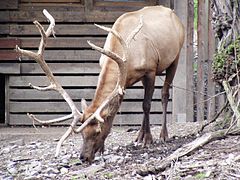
x,y
76,65
69,56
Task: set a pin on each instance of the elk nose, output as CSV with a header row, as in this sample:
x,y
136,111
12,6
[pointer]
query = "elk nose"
x,y
83,158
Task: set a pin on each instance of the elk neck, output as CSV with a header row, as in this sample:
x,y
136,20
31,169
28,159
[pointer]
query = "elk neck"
x,y
106,83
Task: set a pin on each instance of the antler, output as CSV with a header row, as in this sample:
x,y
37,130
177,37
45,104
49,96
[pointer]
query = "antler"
x,y
54,84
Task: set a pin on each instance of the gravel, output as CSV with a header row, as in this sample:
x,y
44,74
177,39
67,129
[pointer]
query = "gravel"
x,y
29,154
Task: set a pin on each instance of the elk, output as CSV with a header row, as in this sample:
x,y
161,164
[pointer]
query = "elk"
x,y
140,45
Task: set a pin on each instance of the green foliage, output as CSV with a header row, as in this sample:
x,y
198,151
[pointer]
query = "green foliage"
x,y
108,175
195,14
200,175
225,61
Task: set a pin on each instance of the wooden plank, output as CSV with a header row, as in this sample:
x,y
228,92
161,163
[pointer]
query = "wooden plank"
x,y
9,43
66,68
10,68
4,29
62,107
136,119
11,4
60,29
75,94
120,119
211,105
8,55
124,6
180,79
51,7
6,100
63,42
29,15
189,61
202,56
50,1
77,81
69,55
165,3
4,16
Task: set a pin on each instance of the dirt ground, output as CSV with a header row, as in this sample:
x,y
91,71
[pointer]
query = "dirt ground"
x,y
27,153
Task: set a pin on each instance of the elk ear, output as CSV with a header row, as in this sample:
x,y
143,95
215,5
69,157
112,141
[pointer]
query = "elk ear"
x,y
84,105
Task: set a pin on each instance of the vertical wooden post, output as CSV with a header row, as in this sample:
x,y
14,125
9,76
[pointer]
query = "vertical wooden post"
x,y
211,105
180,80
202,56
7,119
189,63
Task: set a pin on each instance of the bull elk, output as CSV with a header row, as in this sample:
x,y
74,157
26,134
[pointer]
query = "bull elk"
x,y
140,45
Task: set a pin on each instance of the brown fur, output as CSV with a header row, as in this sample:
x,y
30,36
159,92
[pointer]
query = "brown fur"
x,y
154,49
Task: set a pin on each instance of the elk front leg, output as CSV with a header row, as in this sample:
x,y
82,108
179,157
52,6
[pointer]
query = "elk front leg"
x,y
145,135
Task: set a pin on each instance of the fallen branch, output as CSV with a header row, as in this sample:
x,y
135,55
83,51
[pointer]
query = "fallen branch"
x,y
214,118
155,168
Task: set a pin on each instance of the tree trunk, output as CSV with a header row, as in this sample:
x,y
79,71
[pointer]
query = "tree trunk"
x,y
226,21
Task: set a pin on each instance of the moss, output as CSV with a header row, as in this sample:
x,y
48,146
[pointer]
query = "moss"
x,y
224,62
200,175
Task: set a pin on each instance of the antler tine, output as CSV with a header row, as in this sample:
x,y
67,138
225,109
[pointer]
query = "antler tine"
x,y
52,121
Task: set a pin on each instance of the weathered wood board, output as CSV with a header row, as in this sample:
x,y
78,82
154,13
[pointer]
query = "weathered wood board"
x,y
69,56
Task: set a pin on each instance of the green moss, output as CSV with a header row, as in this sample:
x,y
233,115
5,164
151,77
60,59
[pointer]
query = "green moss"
x,y
200,175
195,14
224,62
108,175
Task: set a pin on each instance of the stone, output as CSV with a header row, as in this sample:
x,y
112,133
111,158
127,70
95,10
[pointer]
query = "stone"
x,y
19,142
51,170
6,150
64,170
12,170
149,177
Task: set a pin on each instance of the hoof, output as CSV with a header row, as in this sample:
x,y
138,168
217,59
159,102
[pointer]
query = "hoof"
x,y
145,138
164,136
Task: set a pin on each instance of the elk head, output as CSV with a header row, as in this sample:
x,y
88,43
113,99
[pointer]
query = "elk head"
x,y
96,124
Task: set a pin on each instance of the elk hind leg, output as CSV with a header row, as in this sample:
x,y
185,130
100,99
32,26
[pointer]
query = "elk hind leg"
x,y
170,72
145,135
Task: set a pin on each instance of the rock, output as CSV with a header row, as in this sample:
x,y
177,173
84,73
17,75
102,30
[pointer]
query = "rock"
x,y
115,148
89,171
51,170
149,177
64,170
19,142
132,130
5,150
112,158
145,155
12,170
32,177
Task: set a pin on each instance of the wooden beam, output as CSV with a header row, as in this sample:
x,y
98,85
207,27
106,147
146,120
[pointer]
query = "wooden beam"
x,y
203,57
180,80
211,105
9,43
121,119
65,81
9,4
189,61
